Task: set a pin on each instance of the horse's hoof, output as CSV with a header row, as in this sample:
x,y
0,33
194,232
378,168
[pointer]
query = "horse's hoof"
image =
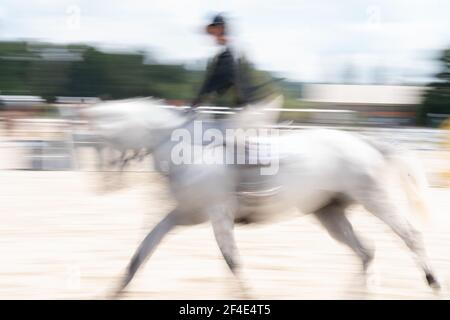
x,y
372,277
242,294
115,295
367,261
366,265
432,282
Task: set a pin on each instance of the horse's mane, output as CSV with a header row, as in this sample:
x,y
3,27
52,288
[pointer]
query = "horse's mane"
x,y
150,99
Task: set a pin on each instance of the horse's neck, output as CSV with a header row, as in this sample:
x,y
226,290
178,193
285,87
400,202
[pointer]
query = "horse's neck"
x,y
259,114
166,119
164,144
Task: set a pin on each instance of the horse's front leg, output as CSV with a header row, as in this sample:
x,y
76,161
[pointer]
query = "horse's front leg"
x,y
146,248
222,220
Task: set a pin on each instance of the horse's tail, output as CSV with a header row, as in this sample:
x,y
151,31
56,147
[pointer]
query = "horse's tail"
x,y
415,184
412,178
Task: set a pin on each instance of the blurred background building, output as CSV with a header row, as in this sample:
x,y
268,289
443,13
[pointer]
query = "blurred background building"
x,y
366,104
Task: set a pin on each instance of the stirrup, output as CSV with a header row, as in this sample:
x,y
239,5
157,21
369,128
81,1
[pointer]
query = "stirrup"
x,y
260,193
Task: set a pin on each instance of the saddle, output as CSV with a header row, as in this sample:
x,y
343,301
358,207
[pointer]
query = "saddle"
x,y
258,153
251,184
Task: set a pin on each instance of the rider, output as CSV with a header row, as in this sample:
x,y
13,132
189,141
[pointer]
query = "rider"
x,y
230,73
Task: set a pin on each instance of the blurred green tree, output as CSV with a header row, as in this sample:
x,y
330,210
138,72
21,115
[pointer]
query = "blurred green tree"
x,y
15,61
107,75
436,99
51,70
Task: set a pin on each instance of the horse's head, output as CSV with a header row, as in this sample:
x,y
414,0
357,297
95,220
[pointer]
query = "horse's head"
x,y
132,123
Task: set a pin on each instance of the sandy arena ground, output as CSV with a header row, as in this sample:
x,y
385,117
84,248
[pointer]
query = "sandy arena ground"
x,y
62,239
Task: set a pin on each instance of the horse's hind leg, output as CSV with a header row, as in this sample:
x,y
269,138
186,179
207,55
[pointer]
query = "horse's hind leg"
x,y
376,200
146,248
332,218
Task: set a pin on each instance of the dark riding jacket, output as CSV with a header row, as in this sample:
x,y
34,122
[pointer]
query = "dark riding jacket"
x,y
229,72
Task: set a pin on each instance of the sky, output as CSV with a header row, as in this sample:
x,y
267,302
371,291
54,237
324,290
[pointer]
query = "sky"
x,y
314,41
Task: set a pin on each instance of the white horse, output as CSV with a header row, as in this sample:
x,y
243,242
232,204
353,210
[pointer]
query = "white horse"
x,y
321,172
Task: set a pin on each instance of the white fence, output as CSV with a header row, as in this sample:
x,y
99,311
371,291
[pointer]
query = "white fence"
x,y
58,153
